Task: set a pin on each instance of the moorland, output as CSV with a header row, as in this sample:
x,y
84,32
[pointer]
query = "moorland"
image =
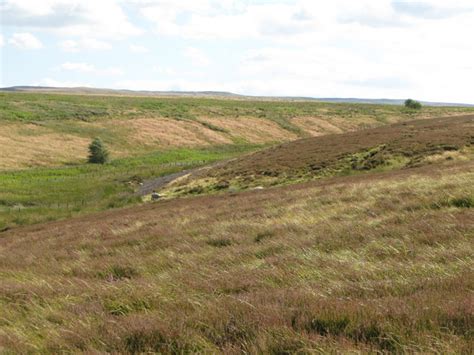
x,y
296,227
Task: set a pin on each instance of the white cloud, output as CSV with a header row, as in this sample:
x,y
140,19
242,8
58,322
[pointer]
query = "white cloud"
x,y
280,20
434,9
91,69
25,41
2,41
138,49
209,19
197,56
82,18
84,44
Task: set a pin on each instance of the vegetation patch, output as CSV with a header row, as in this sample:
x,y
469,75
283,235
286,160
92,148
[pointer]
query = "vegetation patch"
x,y
462,202
219,242
457,202
371,159
43,194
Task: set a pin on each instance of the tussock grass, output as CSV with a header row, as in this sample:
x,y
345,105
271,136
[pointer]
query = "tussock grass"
x,y
352,264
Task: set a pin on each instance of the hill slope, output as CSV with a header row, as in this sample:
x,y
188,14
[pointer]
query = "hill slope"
x,y
368,262
395,146
45,129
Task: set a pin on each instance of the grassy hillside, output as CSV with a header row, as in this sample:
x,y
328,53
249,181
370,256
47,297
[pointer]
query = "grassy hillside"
x,y
379,262
39,129
397,146
360,241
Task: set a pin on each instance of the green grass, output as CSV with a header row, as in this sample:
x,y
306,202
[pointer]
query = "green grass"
x,y
33,107
42,194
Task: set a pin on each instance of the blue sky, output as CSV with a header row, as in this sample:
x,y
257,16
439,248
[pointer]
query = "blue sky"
x,y
338,48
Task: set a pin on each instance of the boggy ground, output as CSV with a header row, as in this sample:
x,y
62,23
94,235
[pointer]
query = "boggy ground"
x,y
373,263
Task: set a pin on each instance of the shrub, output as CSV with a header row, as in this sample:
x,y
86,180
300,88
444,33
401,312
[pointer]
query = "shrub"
x,y
462,202
409,103
98,153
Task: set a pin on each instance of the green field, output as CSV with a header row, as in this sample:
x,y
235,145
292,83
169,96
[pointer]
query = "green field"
x,y
42,194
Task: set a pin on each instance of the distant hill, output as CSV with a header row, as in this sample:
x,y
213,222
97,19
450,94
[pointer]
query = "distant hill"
x,y
99,91
389,101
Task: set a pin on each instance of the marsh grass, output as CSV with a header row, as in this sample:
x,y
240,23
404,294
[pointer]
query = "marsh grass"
x,y
45,194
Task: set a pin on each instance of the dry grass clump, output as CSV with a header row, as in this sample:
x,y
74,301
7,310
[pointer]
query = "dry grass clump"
x,y
361,263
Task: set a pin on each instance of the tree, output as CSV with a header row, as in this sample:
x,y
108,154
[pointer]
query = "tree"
x,y
98,153
409,103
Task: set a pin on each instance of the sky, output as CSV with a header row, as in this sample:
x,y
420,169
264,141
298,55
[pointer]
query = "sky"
x,y
334,48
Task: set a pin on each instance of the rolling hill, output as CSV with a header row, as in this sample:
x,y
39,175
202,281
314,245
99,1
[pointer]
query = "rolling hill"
x,y
47,129
359,242
217,94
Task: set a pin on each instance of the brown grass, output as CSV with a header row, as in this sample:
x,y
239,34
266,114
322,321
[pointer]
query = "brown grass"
x,y
252,129
361,263
164,132
28,145
317,126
